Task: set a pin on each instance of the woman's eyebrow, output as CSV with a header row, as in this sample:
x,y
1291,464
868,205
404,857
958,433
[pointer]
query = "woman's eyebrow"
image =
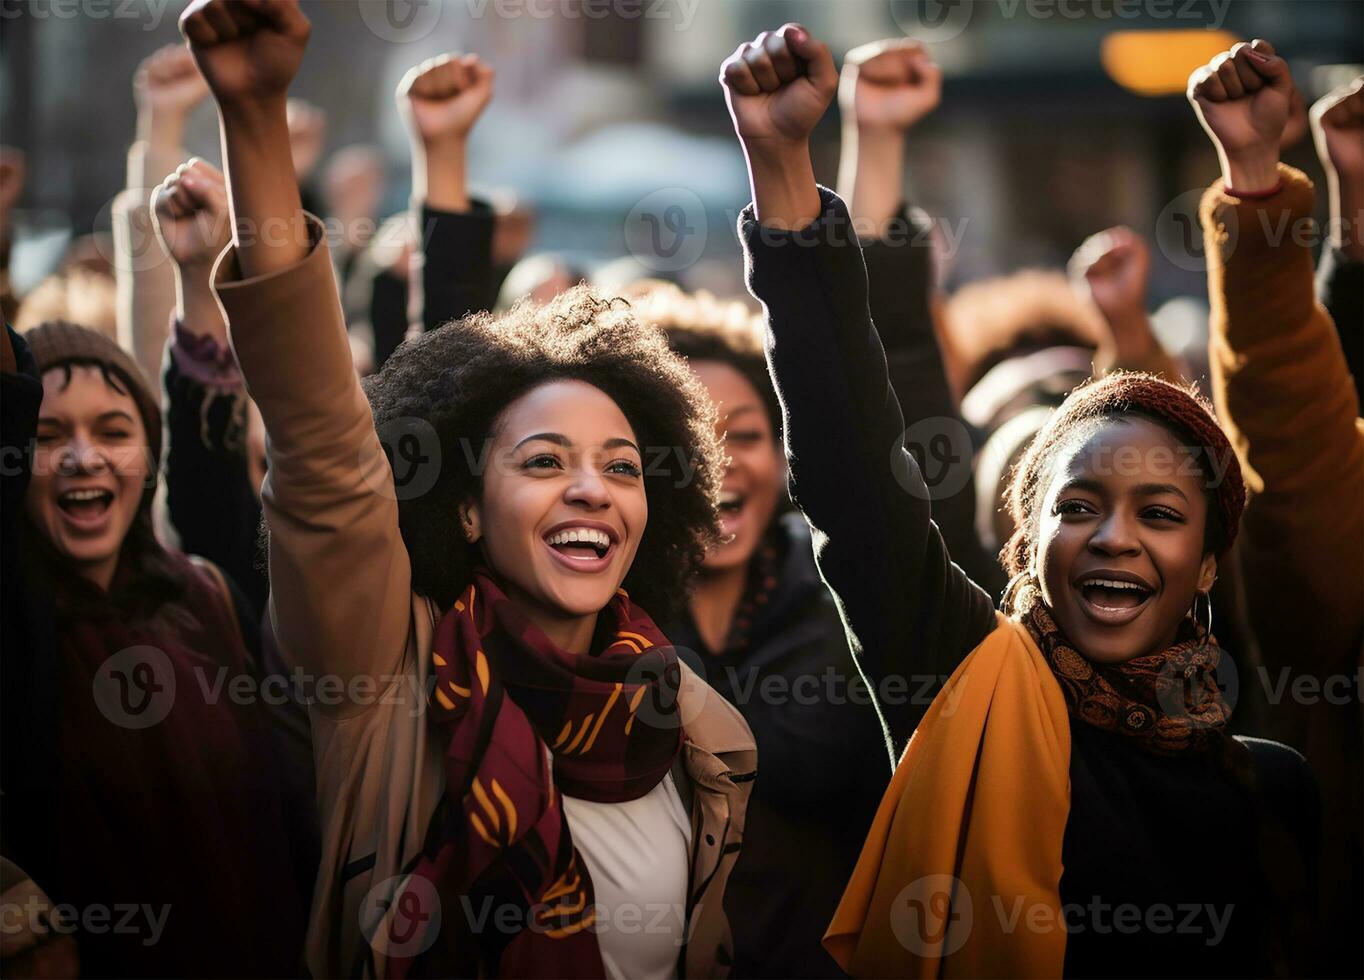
x,y
554,437
618,442
116,413
1151,489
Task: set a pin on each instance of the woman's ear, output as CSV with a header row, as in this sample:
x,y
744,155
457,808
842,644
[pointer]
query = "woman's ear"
x,y
1207,572
470,522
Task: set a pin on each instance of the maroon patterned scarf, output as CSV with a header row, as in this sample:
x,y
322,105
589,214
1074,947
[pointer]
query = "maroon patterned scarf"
x,y
1169,702
498,849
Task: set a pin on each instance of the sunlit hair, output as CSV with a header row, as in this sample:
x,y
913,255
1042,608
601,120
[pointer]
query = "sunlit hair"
x,y
701,327
77,295
1177,408
461,377
994,319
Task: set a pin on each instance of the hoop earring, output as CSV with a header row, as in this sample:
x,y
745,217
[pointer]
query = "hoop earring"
x,y
1193,611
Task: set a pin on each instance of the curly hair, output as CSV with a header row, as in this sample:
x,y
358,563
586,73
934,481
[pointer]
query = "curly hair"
x,y
461,377
702,327
1177,408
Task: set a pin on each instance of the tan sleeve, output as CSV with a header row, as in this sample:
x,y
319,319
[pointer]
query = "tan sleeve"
x,y
1286,399
143,273
340,578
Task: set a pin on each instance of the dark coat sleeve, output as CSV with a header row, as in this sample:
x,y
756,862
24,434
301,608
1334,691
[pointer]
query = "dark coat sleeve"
x,y
212,503
1340,288
900,290
456,263
907,609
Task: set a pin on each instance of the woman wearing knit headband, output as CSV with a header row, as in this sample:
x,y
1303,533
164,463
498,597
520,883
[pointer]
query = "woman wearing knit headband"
x,y
1071,802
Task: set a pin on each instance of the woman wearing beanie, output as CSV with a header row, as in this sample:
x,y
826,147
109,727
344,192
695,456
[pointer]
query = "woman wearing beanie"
x,y
517,776
1072,802
166,795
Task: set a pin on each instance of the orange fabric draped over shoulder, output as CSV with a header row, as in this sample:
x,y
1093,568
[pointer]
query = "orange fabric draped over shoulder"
x,y
961,870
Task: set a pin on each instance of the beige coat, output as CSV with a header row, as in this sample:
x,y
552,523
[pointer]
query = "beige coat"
x,y
343,610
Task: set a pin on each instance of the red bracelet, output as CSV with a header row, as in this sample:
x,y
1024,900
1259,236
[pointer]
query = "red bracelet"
x,y
1255,195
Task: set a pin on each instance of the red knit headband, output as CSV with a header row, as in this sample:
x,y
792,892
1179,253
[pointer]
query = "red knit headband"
x,y
1184,410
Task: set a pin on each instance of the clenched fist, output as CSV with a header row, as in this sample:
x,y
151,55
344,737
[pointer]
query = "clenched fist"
x,y
191,212
168,82
889,85
247,50
1338,128
778,86
442,98
1114,267
1243,97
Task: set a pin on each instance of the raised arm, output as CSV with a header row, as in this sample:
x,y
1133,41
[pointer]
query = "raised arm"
x,y
167,86
1338,128
339,575
1113,267
887,88
1279,378
440,100
907,608
213,503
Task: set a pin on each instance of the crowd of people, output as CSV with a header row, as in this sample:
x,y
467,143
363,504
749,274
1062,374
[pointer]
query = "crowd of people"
x,y
621,632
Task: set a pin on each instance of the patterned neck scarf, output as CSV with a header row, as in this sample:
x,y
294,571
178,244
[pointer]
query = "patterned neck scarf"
x,y
506,700
1169,702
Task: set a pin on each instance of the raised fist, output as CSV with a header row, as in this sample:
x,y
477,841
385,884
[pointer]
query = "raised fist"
x,y
1338,129
889,84
1243,97
778,86
191,213
1114,267
167,81
247,50
442,98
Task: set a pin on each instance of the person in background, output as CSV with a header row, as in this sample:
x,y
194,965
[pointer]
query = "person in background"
x,y
1337,120
759,619
1285,396
886,88
1053,771
131,615
166,88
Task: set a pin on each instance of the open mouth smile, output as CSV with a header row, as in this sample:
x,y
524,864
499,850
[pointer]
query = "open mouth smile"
x,y
86,507
1112,598
582,547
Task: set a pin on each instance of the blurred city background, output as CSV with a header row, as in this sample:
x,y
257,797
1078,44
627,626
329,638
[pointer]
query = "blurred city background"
x,y
1059,117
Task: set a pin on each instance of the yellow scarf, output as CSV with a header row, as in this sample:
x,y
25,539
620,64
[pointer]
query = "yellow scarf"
x,y
961,870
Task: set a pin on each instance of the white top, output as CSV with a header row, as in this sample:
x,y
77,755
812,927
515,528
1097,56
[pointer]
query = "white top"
x,y
637,853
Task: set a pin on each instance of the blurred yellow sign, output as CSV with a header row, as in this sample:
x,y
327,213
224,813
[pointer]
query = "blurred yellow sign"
x,y
1160,62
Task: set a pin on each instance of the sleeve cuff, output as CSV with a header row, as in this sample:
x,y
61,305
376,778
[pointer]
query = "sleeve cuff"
x,y
1254,223
201,358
